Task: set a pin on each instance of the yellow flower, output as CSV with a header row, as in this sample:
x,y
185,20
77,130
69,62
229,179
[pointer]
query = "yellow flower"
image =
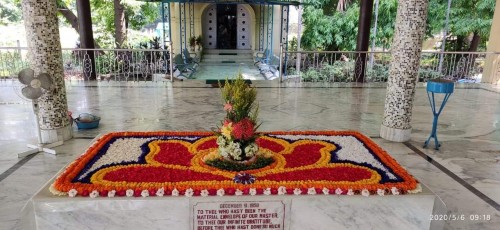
x,y
226,130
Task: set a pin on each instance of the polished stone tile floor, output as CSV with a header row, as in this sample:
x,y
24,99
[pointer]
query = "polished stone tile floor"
x,y
468,181
211,71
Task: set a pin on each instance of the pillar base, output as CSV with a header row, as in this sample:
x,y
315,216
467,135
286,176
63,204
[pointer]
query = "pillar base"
x,y
396,135
54,135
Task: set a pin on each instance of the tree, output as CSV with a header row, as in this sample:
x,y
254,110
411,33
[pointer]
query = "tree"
x,y
386,21
108,32
470,21
10,12
120,23
329,29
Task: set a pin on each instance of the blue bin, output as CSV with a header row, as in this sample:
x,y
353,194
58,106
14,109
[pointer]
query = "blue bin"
x,y
87,121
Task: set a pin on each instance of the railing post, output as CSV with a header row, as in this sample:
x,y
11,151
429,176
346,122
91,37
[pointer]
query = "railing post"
x,y
171,62
281,62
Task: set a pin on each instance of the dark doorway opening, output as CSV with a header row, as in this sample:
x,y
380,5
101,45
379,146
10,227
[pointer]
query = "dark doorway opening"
x,y
226,26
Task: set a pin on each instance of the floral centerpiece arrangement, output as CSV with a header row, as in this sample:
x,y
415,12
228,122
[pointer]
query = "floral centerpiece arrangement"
x,y
237,149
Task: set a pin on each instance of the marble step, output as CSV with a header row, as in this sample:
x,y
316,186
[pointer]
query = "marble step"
x,y
218,51
232,56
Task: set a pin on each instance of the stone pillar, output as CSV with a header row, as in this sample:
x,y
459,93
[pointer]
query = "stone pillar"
x,y
403,72
491,73
42,35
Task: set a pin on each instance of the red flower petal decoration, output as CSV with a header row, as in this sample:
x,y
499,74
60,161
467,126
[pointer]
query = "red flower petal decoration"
x,y
271,145
303,155
173,153
328,174
209,144
158,174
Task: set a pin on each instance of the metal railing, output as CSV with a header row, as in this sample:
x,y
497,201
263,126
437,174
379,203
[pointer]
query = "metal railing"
x,y
338,66
109,64
303,66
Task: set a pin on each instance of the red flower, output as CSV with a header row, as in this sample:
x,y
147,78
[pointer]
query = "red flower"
x,y
244,129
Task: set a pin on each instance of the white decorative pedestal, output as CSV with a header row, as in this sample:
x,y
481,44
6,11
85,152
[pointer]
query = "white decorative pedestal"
x,y
290,212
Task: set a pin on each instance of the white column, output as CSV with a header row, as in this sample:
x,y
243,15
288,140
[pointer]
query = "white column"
x,y
403,72
42,35
491,73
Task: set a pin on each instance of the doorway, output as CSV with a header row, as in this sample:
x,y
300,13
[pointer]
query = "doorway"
x,y
226,26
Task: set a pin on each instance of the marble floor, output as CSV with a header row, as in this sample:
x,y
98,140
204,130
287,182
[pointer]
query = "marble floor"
x,y
465,173
212,71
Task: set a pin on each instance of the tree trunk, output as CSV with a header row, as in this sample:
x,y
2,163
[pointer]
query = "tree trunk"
x,y
72,19
474,44
363,40
470,65
70,16
120,24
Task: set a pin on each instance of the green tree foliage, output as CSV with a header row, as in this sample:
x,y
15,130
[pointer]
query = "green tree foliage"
x,y
137,14
387,11
469,20
10,12
329,29
332,24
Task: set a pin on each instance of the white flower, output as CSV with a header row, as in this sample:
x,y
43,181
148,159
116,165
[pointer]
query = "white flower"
x,y
144,193
94,194
175,192
204,192
189,192
160,192
311,191
394,191
236,153
365,192
248,151
224,152
416,190
326,191
111,193
238,192
129,192
267,191
381,192
251,150
297,191
235,146
220,192
72,192
350,192
338,191
282,190
221,141
252,191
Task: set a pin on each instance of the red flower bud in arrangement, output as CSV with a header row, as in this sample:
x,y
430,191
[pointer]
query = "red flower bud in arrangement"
x,y
244,129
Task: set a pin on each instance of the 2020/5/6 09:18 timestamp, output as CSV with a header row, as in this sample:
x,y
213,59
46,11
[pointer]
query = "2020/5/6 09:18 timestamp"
x,y
473,217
